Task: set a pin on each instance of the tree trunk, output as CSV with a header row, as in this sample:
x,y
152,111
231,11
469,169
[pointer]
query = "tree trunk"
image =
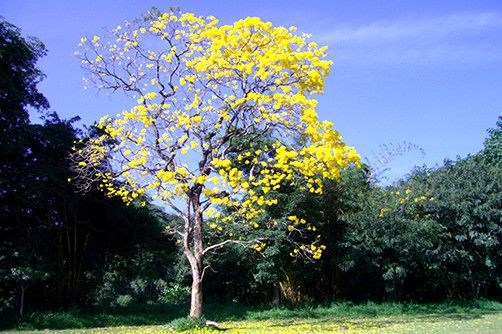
x,y
21,308
194,254
277,294
196,301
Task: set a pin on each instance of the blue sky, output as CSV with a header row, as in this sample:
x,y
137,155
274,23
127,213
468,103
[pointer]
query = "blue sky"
x,y
424,72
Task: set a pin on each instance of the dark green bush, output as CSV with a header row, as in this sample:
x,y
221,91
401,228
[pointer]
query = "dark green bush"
x,y
187,323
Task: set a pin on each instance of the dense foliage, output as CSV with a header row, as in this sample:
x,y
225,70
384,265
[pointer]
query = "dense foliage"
x,y
59,247
434,235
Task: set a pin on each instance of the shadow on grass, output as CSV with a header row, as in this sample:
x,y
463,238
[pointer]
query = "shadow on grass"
x,y
334,314
96,317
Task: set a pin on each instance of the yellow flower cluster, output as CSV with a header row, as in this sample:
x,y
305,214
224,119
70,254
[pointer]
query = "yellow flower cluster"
x,y
259,246
405,198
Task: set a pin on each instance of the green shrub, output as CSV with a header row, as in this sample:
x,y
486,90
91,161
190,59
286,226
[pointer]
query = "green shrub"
x,y
172,293
185,324
124,300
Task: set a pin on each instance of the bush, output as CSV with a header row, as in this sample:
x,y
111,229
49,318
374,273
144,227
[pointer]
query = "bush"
x,y
185,324
124,300
172,293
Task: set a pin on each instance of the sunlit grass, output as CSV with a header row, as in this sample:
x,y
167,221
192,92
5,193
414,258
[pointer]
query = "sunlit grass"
x,y
445,324
368,318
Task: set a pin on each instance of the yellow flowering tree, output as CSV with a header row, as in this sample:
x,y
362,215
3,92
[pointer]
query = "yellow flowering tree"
x,y
199,89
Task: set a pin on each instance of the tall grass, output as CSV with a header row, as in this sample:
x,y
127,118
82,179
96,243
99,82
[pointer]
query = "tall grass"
x,y
371,309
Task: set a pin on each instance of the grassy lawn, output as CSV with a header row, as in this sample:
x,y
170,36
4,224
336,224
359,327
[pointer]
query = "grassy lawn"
x,y
483,317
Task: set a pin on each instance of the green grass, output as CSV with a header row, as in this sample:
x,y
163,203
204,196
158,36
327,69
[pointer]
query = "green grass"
x,y
460,317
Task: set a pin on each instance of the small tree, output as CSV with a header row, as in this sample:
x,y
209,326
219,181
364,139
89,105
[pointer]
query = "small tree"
x,y
205,93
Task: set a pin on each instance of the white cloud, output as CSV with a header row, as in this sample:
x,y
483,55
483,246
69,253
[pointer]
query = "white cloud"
x,y
396,30
461,38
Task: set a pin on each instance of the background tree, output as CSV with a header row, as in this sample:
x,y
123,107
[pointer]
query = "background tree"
x,y
199,88
55,245
19,77
431,236
492,151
